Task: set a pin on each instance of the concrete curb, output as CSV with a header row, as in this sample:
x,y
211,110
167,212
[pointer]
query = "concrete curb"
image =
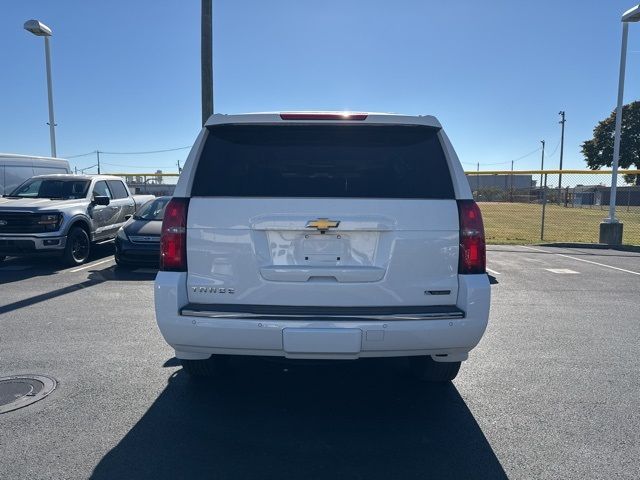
x,y
601,246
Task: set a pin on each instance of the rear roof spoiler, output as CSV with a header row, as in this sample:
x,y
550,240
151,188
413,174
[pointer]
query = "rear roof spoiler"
x,y
324,117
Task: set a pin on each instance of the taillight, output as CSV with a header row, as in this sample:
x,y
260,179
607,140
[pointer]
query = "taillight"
x,y
173,242
473,255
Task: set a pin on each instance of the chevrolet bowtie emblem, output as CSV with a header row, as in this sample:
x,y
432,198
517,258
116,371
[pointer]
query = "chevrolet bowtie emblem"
x,y
323,224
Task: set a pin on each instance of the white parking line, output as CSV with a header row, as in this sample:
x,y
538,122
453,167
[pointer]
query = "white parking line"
x,y
492,272
581,260
561,270
94,264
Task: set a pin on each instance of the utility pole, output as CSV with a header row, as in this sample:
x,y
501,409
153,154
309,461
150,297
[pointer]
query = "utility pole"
x,y
561,152
206,59
179,168
542,162
478,182
98,155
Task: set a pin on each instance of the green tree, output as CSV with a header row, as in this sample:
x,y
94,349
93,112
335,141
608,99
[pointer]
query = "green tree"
x,y
598,152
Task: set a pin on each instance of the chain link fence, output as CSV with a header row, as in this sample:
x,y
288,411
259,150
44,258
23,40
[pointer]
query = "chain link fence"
x,y
552,206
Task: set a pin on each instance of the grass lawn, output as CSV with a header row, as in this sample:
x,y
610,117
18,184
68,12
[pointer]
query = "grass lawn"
x,y
520,223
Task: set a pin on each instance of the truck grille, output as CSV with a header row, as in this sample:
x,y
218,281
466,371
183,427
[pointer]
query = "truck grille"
x,y
21,222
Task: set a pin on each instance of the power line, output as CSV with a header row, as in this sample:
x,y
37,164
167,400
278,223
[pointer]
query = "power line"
x,y
525,155
123,165
554,150
147,152
508,161
93,152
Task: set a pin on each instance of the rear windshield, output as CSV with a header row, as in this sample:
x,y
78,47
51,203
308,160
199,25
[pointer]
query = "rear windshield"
x,y
349,161
48,188
153,209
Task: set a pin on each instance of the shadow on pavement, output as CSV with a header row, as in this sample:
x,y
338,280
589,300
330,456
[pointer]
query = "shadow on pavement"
x,y
16,269
267,419
94,277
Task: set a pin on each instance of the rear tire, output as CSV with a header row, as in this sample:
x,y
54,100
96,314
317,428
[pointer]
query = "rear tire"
x,y
78,247
428,370
210,367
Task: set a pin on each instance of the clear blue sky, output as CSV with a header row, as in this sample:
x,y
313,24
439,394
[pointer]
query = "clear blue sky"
x,y
496,73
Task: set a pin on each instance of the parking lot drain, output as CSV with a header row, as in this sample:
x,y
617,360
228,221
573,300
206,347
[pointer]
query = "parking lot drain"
x,y
21,390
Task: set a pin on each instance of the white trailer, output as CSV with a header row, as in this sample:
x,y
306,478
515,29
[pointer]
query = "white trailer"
x,y
15,169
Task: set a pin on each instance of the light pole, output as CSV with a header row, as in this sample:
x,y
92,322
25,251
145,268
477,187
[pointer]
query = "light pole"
x,y
41,30
611,229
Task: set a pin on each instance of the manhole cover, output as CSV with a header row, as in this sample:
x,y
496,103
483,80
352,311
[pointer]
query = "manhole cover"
x,y
22,390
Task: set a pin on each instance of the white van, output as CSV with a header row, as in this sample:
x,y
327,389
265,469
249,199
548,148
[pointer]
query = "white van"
x,y
15,169
323,236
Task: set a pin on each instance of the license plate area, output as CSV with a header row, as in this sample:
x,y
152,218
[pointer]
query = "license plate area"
x,y
323,248
322,340
309,249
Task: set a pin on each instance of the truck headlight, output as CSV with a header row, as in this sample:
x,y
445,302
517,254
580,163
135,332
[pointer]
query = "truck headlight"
x,y
122,235
50,221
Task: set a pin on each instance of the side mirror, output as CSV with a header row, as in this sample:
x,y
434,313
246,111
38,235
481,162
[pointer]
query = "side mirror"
x,y
101,200
127,217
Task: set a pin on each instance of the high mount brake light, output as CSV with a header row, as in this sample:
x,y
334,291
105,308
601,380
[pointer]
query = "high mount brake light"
x,y
473,255
323,116
173,241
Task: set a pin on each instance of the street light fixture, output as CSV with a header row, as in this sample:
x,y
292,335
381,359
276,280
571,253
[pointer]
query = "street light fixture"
x,y
611,228
41,30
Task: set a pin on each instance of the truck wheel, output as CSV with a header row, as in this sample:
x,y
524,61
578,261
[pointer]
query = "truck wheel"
x,y
211,367
77,248
428,370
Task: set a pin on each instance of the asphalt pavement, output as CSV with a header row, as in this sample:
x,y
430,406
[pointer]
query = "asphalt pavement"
x,y
552,391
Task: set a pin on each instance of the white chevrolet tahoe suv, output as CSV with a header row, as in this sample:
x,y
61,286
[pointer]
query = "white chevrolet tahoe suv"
x,y
322,235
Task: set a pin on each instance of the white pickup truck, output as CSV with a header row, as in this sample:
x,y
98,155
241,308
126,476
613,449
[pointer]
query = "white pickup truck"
x,y
320,235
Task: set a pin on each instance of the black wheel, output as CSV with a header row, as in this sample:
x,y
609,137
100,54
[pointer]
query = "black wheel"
x,y
2,258
428,370
210,367
78,247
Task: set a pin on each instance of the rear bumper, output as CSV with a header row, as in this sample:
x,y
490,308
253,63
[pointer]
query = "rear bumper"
x,y
197,333
29,245
137,253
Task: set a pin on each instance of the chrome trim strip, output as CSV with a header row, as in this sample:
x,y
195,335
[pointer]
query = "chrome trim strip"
x,y
258,316
145,238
